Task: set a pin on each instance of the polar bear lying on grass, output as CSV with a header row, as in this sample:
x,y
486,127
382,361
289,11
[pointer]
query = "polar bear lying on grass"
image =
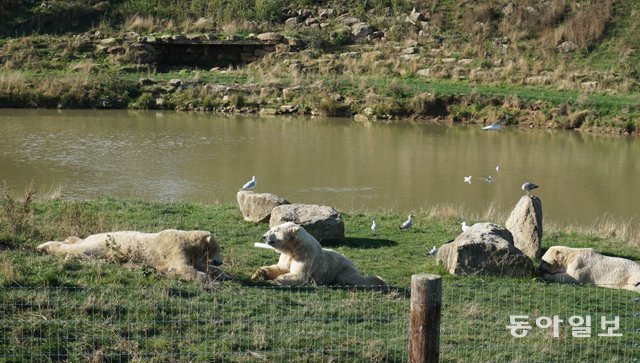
x,y
182,253
586,266
303,261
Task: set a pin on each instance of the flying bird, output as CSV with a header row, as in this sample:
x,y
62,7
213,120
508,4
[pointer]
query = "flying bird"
x,y
408,223
464,226
250,184
528,187
467,179
374,226
433,251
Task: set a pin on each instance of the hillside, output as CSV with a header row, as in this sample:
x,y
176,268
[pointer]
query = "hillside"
x,y
553,64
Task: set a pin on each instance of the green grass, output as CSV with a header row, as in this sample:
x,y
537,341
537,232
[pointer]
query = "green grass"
x,y
56,309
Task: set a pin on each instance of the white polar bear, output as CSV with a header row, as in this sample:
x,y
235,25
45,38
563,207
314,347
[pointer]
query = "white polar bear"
x,y
182,253
586,266
303,261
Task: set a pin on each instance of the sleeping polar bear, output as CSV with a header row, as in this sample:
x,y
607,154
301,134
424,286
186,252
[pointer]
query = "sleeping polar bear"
x,y
586,266
303,261
182,253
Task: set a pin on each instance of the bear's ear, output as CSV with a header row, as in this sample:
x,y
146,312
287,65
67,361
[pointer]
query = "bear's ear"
x,y
292,231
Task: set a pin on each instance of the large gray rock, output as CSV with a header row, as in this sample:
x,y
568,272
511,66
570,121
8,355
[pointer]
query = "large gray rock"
x,y
322,222
361,30
257,207
485,249
525,224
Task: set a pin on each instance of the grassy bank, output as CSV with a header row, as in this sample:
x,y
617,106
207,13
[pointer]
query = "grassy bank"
x,y
451,61
67,309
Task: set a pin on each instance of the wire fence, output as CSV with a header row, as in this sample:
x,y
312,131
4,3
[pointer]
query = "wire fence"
x,y
230,323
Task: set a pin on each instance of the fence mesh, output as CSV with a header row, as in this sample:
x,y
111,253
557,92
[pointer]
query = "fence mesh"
x,y
230,323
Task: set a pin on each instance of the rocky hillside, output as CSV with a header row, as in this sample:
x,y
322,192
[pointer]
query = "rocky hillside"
x,y
548,63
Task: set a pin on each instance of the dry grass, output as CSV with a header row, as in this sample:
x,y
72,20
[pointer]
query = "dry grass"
x,y
141,23
586,27
625,230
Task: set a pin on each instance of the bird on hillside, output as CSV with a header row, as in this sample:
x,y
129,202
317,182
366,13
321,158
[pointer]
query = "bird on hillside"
x,y
467,179
433,251
464,226
250,184
374,226
528,187
408,223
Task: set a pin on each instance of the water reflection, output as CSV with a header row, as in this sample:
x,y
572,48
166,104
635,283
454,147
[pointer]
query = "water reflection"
x,y
404,166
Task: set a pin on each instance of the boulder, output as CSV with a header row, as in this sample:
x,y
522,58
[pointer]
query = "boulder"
x,y
485,249
361,30
525,224
257,207
322,222
270,37
567,47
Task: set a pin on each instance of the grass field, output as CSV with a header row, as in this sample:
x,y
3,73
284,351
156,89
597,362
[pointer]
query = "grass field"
x,y
77,310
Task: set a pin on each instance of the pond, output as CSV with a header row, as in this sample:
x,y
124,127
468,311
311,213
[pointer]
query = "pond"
x,y
404,166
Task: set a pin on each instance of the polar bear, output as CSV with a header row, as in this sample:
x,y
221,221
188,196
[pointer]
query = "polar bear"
x,y
303,261
182,253
586,266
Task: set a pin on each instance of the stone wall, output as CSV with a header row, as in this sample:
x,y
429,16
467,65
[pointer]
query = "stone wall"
x,y
209,54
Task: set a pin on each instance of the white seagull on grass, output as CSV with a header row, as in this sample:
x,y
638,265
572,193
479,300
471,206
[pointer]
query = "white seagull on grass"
x,y
433,251
408,223
250,184
374,226
528,187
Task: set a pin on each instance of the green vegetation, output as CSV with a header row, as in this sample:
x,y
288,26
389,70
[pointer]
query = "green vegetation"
x,y
476,62
70,309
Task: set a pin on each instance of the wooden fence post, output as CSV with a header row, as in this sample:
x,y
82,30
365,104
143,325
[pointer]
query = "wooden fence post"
x,y
424,318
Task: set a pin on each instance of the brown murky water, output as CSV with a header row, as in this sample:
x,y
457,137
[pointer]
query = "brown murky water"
x,y
172,156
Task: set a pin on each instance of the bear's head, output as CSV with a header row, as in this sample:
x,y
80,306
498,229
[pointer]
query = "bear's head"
x,y
283,237
553,261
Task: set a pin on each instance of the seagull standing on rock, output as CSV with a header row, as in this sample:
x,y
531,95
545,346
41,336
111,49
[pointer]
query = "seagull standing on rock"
x,y
250,184
464,226
408,223
528,187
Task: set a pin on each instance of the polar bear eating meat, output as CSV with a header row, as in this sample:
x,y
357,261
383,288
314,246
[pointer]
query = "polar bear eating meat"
x,y
182,253
303,261
586,266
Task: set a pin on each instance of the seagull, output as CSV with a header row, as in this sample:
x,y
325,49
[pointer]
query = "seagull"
x,y
527,187
497,168
408,223
494,126
374,226
488,179
467,179
464,226
433,251
250,184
